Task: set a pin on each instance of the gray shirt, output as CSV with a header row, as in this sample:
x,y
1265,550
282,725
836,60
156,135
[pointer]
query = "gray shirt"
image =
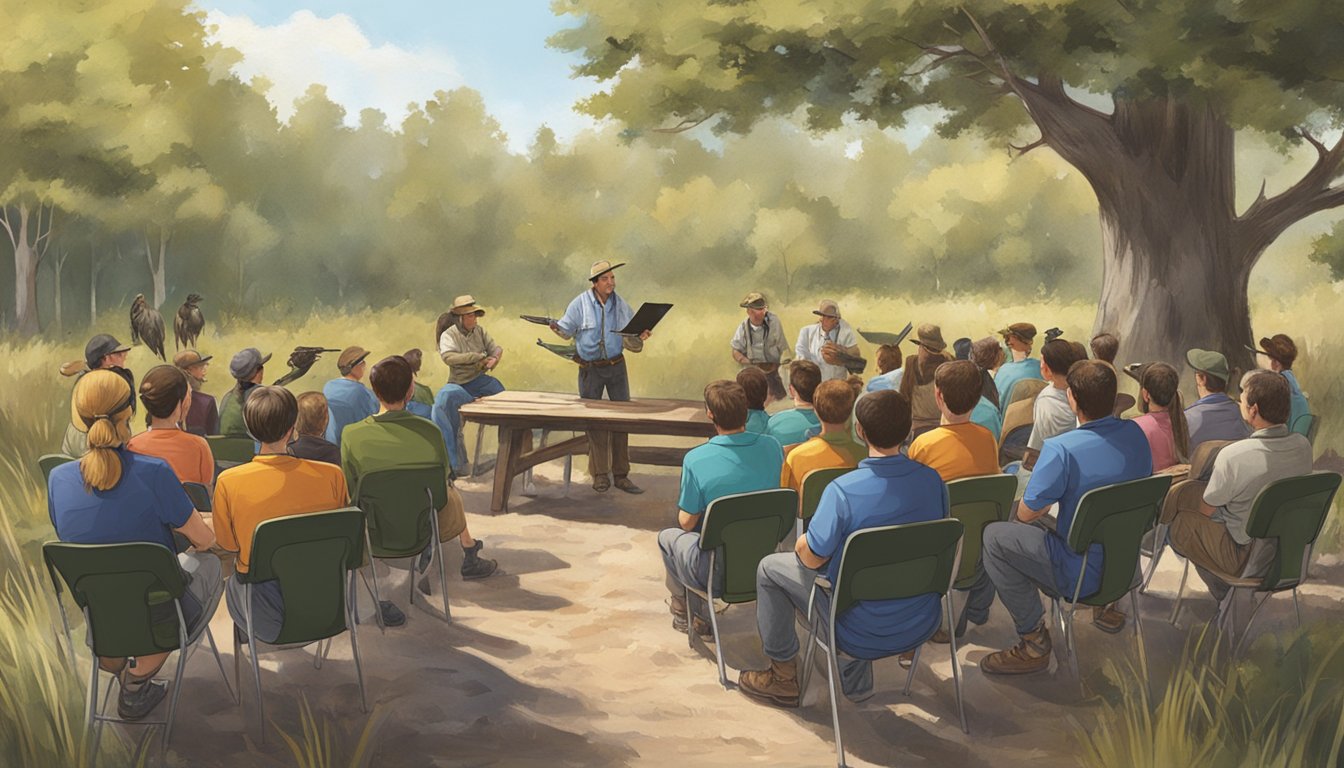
x,y
763,344
1050,416
1244,468
1215,417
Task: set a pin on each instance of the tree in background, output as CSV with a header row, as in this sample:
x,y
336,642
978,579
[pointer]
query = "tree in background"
x,y
1142,97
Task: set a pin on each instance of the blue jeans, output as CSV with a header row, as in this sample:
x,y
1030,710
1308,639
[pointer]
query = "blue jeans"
x,y
447,401
1018,562
483,385
687,566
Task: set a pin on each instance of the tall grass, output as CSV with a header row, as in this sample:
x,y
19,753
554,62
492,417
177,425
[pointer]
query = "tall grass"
x,y
315,748
1280,707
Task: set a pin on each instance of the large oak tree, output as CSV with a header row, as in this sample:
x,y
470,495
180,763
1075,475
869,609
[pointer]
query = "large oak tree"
x,y
1144,97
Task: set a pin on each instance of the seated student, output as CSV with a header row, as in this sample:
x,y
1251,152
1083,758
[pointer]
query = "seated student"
x,y
1282,353
957,448
1052,413
1214,416
1105,346
917,383
886,489
790,427
889,369
1023,560
1213,536
734,461
757,387
348,400
987,355
422,404
272,485
203,417
833,447
102,352
113,496
468,350
1018,337
247,368
1163,419
310,430
166,394
395,437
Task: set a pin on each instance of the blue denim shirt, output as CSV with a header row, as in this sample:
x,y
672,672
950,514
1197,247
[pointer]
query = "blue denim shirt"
x,y
348,402
593,326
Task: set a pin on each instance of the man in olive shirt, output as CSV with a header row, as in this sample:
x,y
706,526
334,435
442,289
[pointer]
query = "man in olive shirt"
x,y
469,351
395,437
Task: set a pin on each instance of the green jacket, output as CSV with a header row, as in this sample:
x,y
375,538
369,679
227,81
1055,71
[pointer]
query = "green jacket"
x,y
423,394
231,412
389,440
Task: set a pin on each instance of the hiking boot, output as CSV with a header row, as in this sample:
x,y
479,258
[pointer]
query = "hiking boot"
x,y
392,615
601,483
702,627
473,565
1108,619
906,660
1031,654
625,484
777,685
941,637
135,704
677,604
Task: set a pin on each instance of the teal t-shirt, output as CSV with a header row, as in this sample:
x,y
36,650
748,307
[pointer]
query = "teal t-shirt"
x,y
758,422
1011,373
737,463
1297,401
791,426
987,415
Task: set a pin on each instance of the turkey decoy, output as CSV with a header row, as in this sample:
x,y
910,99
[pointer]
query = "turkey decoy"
x,y
189,322
147,326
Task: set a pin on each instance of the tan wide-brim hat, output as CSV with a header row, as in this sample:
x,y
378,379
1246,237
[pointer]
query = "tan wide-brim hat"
x,y
827,308
466,305
930,337
602,267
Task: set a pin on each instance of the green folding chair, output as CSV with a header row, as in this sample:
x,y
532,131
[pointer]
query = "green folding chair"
x,y
1307,425
814,483
1288,513
887,563
1115,517
738,531
314,557
230,450
402,506
977,502
50,461
131,596
199,495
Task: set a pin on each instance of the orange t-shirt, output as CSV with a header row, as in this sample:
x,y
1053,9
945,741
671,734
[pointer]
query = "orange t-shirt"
x,y
189,455
271,486
955,451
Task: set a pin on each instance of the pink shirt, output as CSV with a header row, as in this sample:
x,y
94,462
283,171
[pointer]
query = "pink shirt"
x,y
1156,427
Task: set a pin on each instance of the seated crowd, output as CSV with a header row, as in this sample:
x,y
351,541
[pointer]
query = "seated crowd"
x,y
923,422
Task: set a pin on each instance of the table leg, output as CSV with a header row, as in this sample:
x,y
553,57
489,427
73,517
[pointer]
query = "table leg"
x,y
510,443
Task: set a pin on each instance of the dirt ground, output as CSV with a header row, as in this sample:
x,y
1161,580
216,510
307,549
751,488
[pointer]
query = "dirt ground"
x,y
568,657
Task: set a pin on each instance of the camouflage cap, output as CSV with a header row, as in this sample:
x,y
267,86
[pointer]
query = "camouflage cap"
x,y
754,300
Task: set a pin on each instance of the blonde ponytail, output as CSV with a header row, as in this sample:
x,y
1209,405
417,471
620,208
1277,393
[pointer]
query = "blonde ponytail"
x,y
102,407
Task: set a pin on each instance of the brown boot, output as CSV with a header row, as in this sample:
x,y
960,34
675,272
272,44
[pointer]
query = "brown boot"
x,y
1031,654
1108,619
777,685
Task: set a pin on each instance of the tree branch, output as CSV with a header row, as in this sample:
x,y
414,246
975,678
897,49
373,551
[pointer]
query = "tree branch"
x,y
4,221
1321,149
685,125
1022,150
1267,218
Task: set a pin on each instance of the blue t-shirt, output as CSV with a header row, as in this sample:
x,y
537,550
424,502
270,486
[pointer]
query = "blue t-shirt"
x,y
348,402
791,426
888,380
1097,453
740,462
146,504
1012,372
1297,401
758,422
987,415
891,490
1215,417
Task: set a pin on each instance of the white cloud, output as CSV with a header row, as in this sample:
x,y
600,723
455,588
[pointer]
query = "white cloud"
x,y
307,49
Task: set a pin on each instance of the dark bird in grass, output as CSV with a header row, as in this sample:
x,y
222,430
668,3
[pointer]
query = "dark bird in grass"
x,y
300,360
147,326
189,322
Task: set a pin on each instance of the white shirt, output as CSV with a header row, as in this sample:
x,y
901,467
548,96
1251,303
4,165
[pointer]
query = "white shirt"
x,y
1245,467
810,341
1050,416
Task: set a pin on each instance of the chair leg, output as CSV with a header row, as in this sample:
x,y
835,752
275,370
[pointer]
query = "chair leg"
x,y
910,677
438,544
1297,612
214,649
1180,592
373,573
354,644
101,714
690,621
1072,647
1138,635
832,673
806,671
177,693
93,710
1246,632
320,652
718,645
256,663
956,666
1159,544
237,658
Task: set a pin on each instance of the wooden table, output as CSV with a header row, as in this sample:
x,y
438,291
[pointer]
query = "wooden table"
x,y
518,413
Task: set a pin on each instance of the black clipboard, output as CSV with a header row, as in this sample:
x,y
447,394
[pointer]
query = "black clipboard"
x,y
648,316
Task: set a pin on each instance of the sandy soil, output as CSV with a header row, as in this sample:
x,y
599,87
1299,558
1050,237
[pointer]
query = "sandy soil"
x,y
568,657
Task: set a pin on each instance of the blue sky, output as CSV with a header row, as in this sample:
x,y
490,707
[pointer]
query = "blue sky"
x,y
386,54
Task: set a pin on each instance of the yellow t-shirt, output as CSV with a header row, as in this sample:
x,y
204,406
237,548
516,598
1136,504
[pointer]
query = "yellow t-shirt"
x,y
267,487
955,451
821,452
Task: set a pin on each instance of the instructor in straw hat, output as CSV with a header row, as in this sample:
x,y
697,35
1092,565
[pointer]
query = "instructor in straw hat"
x,y
592,321
469,351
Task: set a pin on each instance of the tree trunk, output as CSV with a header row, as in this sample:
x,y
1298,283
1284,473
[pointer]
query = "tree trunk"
x,y
25,277
156,269
56,267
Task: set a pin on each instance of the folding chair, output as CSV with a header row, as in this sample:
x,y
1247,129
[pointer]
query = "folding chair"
x,y
230,450
199,495
402,506
1201,464
814,483
1115,517
314,558
1026,389
888,563
745,527
977,502
125,591
1016,430
1289,513
50,461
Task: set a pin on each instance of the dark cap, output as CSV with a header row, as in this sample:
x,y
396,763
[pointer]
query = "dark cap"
x,y
962,347
1278,347
350,357
244,365
1136,370
100,346
1024,331
1209,363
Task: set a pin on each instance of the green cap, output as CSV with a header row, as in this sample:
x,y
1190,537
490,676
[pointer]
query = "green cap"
x,y
1209,362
